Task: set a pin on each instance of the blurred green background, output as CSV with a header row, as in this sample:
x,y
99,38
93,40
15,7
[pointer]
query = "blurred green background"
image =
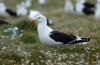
x,y
27,50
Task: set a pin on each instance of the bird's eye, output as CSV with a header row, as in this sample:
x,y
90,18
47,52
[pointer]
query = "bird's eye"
x,y
39,17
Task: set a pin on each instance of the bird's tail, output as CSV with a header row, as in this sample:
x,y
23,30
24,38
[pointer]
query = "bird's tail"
x,y
80,40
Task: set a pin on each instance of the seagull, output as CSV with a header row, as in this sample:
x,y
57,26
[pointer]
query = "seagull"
x,y
97,11
21,10
84,8
34,12
48,36
4,11
69,6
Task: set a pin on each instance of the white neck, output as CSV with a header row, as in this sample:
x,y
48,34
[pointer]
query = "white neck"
x,y
43,31
44,28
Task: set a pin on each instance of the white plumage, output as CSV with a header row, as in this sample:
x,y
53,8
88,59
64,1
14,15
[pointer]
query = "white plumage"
x,y
97,11
69,6
79,7
41,2
2,5
3,10
35,12
50,37
21,10
43,31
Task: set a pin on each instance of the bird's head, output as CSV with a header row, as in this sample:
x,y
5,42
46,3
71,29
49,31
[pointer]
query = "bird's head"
x,y
40,19
37,17
2,6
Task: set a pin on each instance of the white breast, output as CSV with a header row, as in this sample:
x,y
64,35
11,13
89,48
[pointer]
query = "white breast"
x,y
44,32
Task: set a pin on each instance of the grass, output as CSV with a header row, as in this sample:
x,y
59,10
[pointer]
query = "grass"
x,y
28,50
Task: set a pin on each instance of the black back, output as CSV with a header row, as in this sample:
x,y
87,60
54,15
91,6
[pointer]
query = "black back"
x,y
10,12
62,37
88,8
88,11
89,5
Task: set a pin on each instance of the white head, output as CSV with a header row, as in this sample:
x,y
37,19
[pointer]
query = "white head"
x,y
37,16
2,6
81,1
33,13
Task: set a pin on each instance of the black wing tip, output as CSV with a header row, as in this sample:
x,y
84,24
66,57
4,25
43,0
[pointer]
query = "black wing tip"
x,y
81,41
86,39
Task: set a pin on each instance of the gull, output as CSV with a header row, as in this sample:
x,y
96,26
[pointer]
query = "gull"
x,y
5,12
84,8
21,10
97,11
69,6
48,36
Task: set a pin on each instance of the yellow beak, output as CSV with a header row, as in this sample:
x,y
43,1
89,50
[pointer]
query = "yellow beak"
x,y
34,21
